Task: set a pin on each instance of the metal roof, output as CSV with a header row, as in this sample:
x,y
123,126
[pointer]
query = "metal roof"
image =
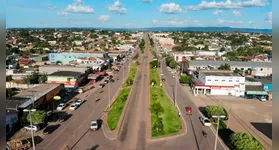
x,y
232,63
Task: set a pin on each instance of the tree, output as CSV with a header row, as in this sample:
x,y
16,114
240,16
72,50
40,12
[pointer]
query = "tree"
x,y
225,67
158,125
157,108
212,110
244,141
184,79
173,64
37,117
42,78
154,64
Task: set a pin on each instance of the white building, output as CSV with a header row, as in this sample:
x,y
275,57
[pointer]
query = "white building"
x,y
179,56
52,42
205,53
217,82
78,43
253,68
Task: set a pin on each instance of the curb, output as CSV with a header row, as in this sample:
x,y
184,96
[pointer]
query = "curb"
x,y
115,132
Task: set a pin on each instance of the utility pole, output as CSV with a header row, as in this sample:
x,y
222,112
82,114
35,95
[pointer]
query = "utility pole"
x,y
123,74
218,119
175,98
109,94
31,124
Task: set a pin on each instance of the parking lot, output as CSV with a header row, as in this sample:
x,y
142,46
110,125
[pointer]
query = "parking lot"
x,y
246,115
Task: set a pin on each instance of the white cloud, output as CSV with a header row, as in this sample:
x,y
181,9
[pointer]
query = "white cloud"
x,y
77,7
218,12
104,17
236,13
170,8
269,17
51,7
228,4
146,1
228,22
116,7
180,23
62,13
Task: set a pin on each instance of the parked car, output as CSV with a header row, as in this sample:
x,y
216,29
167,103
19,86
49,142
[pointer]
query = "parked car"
x,y
73,106
64,118
205,121
61,106
50,129
79,102
93,125
106,81
33,127
101,85
262,99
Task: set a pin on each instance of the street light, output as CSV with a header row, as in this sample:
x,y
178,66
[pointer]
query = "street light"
x,y
32,135
218,118
109,93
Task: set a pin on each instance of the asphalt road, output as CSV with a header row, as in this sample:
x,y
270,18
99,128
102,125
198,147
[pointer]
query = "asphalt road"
x,y
193,140
75,133
133,130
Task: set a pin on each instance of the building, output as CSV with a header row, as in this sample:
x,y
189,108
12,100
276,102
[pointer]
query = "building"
x,y
49,69
39,58
78,43
181,56
216,82
250,68
66,58
12,122
40,95
26,63
69,79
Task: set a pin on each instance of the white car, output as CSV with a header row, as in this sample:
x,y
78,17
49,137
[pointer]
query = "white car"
x,y
93,125
33,127
73,106
262,99
79,102
205,121
61,106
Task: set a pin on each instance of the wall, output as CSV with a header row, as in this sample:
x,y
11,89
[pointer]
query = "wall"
x,y
52,69
20,86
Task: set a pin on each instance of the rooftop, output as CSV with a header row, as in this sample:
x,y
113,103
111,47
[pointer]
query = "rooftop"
x,y
232,63
254,88
65,73
23,99
218,73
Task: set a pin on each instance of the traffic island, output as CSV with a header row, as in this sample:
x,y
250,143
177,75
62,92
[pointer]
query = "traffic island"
x,y
164,115
119,105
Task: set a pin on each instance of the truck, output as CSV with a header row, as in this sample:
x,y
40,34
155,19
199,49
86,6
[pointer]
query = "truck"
x,y
18,144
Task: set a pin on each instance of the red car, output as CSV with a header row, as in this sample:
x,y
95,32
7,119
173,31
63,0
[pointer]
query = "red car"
x,y
188,109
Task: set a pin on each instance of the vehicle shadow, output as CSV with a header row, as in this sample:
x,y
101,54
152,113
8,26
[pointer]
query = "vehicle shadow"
x,y
94,147
100,123
203,111
37,140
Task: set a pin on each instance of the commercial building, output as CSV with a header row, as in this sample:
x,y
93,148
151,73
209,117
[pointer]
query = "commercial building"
x,y
250,68
49,69
181,56
40,95
216,82
66,58
69,79
258,87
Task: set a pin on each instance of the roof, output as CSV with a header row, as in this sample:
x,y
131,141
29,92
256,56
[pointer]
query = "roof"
x,y
254,88
218,73
23,99
92,58
65,73
24,61
232,63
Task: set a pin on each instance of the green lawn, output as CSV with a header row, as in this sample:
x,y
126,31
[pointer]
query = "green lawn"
x,y
132,74
116,111
154,76
117,107
170,117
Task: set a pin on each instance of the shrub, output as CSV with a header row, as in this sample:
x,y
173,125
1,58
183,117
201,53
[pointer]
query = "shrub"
x,y
244,141
212,110
184,79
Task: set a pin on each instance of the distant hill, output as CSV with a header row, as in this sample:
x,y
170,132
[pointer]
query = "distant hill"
x,y
154,29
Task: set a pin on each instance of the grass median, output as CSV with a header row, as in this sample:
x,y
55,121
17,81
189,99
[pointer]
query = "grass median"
x,y
164,115
117,107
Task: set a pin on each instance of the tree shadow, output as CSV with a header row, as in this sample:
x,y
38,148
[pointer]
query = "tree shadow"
x,y
203,111
265,128
37,140
100,123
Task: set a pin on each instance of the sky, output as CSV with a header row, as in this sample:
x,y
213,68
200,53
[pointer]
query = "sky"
x,y
139,13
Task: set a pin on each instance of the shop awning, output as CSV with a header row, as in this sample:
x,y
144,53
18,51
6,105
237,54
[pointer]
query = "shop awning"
x,y
256,93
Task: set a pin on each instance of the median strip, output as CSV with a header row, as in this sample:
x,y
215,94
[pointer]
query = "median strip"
x,y
164,116
117,107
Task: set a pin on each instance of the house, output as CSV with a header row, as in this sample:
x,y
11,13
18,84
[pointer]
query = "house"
x,y
78,43
26,63
70,79
52,42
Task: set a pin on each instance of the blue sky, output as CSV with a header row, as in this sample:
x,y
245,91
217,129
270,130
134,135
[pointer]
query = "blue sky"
x,y
139,13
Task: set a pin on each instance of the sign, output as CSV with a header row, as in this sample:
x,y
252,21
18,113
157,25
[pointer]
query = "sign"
x,y
256,93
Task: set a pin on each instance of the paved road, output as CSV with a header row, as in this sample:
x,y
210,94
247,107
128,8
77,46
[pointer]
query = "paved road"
x,y
133,131
74,132
193,140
